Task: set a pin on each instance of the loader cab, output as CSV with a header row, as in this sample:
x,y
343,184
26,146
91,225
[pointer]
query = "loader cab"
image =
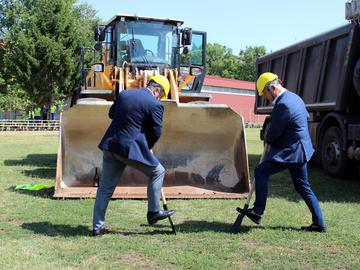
x,y
145,44
142,43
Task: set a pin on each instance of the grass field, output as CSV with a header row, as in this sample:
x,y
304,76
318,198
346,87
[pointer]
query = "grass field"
x,y
38,232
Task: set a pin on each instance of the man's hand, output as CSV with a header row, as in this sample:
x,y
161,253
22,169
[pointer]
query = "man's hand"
x,y
264,131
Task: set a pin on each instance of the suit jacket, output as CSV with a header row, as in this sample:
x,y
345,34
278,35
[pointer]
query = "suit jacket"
x,y
136,126
288,133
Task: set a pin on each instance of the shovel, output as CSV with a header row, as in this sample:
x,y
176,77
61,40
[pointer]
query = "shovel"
x,y
235,228
166,208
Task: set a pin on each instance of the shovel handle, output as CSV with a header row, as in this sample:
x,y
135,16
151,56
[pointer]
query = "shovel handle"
x,y
163,197
236,226
166,208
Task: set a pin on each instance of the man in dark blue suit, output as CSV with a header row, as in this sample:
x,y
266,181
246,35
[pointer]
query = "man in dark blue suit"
x,y
135,128
290,148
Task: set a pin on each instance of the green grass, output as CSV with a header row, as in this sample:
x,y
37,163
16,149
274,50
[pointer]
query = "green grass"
x,y
38,232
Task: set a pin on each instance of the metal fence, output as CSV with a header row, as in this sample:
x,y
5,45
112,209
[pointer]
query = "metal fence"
x,y
29,125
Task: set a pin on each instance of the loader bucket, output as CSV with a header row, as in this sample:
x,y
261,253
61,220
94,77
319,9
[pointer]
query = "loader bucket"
x,y
202,148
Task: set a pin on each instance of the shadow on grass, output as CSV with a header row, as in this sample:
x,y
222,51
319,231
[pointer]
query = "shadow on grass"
x,y
44,165
156,229
325,187
185,227
43,193
247,228
193,226
49,229
44,173
53,230
38,160
150,232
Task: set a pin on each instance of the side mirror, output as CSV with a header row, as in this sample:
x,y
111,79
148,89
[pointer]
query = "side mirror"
x,y
98,46
99,33
186,37
195,71
98,67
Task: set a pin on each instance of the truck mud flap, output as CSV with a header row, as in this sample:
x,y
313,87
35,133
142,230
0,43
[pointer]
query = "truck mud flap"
x,y
202,148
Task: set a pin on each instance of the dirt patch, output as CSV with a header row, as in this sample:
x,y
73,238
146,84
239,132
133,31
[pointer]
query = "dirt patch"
x,y
135,261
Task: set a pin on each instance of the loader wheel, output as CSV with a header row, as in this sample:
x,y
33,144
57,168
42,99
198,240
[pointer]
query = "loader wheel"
x,y
333,157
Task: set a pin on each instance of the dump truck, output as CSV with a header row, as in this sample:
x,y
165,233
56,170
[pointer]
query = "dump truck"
x,y
202,147
325,72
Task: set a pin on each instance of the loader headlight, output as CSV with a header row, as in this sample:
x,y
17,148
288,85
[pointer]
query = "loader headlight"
x,y
98,67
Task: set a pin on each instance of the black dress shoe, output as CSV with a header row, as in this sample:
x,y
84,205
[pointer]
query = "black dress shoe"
x,y
314,228
102,231
253,216
154,217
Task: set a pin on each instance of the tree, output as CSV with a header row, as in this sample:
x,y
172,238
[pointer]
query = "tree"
x,y
43,41
220,61
14,98
247,60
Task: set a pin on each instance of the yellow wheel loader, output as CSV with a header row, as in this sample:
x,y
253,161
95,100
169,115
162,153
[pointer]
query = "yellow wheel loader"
x,y
203,145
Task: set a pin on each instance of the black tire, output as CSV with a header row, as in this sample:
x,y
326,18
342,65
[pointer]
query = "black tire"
x,y
356,77
333,157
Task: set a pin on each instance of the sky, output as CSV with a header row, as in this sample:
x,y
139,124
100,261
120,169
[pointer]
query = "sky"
x,y
237,23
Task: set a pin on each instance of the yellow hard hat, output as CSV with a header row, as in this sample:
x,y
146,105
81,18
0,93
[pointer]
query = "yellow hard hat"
x,y
263,80
163,81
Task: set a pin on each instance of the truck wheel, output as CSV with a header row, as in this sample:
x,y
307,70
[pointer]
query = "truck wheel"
x,y
356,77
333,158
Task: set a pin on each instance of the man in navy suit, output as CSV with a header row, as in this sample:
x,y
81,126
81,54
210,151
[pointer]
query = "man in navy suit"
x,y
290,148
135,128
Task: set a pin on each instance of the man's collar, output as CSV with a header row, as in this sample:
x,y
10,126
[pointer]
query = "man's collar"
x,y
151,92
281,92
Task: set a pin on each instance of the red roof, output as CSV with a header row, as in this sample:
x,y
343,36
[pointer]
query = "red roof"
x,y
228,83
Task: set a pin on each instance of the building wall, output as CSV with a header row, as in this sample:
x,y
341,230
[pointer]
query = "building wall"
x,y
243,105
239,95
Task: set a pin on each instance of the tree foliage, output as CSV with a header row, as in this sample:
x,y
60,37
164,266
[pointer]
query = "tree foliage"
x,y
43,41
14,98
247,59
222,62
40,59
